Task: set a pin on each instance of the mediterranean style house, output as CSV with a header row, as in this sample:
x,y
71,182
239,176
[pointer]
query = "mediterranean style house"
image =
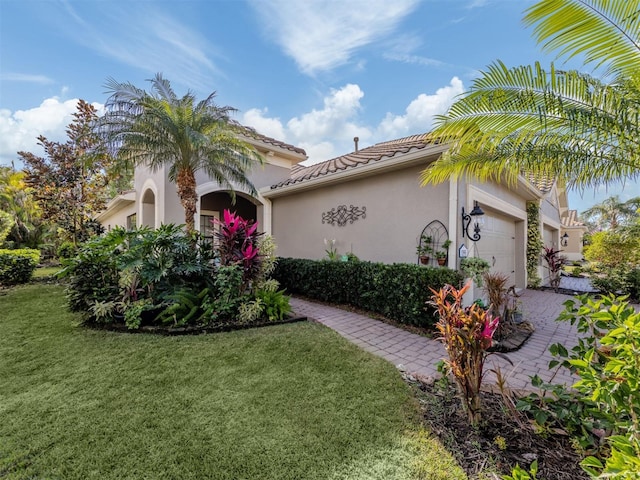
x,y
369,202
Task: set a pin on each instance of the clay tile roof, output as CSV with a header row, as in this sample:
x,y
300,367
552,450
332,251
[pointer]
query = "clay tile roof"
x,y
571,219
542,183
375,153
250,132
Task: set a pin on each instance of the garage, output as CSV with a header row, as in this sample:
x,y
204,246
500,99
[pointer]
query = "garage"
x,y
498,244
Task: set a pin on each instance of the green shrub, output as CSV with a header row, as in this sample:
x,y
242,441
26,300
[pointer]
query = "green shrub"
x,y
399,291
605,405
67,250
17,266
275,304
127,266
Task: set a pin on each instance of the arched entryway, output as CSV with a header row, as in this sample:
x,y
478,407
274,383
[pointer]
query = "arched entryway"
x,y
149,209
212,206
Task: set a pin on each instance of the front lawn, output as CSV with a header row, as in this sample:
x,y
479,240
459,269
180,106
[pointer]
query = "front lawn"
x,y
294,401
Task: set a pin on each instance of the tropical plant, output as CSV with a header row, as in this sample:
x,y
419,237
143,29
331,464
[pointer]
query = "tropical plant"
x,y
331,250
20,210
495,284
159,129
467,334
607,363
552,122
612,213
475,268
554,262
237,244
275,304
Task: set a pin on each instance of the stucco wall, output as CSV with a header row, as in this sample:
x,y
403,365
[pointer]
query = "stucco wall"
x,y
397,209
118,218
260,176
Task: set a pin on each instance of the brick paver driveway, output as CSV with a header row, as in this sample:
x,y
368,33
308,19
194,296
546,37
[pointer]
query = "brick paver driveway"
x,y
419,354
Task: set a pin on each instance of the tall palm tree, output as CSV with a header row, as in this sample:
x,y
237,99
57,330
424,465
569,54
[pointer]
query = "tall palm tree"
x,y
613,213
158,128
548,121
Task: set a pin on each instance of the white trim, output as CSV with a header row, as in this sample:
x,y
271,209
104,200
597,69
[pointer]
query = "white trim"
x,y
453,223
117,204
493,202
267,214
213,187
149,184
546,220
376,167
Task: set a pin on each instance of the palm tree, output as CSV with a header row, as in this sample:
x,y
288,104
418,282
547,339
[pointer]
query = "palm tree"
x,y
159,129
612,213
551,122
16,200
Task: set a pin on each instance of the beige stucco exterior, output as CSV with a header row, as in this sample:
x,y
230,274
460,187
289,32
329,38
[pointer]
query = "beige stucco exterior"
x,y
397,210
382,183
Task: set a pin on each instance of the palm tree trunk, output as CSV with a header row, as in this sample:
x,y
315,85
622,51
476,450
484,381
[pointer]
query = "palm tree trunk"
x,y
186,184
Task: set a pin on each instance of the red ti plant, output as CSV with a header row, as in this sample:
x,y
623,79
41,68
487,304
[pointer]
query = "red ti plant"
x,y
467,333
555,263
237,240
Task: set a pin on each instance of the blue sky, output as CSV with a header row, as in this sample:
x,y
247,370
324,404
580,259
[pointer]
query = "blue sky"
x,y
312,73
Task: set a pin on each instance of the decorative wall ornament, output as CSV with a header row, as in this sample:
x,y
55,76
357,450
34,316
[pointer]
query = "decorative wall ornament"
x,y
341,215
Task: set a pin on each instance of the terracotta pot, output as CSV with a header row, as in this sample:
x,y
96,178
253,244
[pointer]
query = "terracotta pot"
x,y
424,260
442,261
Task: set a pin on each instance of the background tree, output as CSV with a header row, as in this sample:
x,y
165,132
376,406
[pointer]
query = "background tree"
x,y
157,129
70,182
20,210
551,122
612,213
613,249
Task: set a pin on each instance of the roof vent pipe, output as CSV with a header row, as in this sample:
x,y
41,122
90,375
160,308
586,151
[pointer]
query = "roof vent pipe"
x,y
356,140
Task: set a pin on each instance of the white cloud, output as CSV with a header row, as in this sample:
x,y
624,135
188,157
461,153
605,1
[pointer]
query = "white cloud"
x,y
19,130
328,132
25,78
323,133
418,116
271,127
402,49
147,39
321,35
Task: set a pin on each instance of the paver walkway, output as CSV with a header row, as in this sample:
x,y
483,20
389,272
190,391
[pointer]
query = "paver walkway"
x,y
419,354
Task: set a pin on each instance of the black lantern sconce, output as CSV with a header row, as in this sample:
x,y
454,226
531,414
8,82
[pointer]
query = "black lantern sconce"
x,y
476,215
565,239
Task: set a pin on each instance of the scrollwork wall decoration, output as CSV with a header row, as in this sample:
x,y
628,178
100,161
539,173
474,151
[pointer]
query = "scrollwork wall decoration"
x,y
341,215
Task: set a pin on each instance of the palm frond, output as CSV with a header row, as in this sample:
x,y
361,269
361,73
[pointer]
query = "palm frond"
x,y
557,123
605,32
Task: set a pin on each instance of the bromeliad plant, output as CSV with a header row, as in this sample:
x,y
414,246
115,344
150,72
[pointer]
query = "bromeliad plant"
x,y
467,334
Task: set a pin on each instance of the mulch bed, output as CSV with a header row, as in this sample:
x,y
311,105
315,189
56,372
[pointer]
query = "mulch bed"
x,y
193,330
500,442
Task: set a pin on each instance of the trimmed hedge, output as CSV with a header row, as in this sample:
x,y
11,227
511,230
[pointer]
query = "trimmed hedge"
x,y
398,291
17,266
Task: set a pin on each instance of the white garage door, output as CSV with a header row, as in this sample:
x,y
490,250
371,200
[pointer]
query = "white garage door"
x,y
497,244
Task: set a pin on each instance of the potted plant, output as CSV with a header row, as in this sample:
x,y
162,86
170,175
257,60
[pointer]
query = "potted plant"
x,y
442,255
475,268
424,249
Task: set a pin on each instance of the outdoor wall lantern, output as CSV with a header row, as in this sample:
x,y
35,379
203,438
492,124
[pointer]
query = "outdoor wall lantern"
x,y
476,216
565,239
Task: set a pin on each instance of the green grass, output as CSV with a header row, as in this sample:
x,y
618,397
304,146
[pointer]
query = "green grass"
x,y
45,272
285,402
